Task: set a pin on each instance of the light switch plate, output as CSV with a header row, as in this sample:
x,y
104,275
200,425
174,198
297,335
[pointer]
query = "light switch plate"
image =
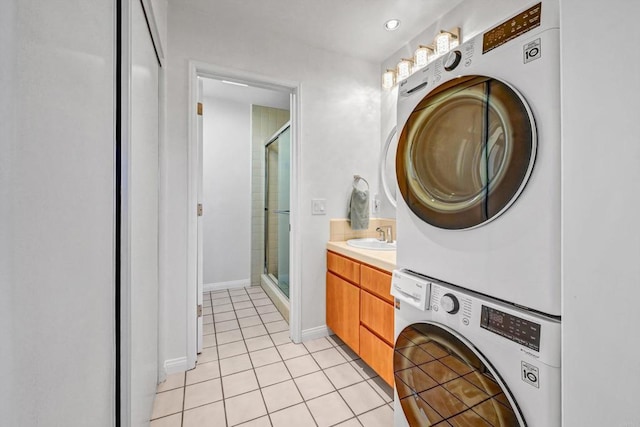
x,y
318,206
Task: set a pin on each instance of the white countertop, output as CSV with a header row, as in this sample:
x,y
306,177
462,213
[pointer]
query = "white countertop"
x,y
384,260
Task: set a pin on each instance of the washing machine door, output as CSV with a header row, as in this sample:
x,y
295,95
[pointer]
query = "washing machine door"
x,y
442,380
466,152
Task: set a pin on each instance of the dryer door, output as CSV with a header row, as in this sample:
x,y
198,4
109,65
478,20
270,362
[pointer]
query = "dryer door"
x,y
442,380
466,152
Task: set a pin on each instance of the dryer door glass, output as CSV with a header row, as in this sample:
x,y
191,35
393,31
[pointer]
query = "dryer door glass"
x,y
443,381
466,152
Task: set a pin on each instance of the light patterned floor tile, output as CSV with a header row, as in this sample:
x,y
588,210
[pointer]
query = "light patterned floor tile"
x,y
207,415
291,350
317,344
302,365
258,422
231,349
203,372
380,417
239,383
272,374
295,416
173,381
363,369
244,407
281,395
361,397
228,336
227,325
272,317
329,409
234,364
167,403
277,326
328,358
242,305
221,317
254,331
343,375
246,312
209,354
382,388
258,343
281,338
202,393
174,420
263,309
264,357
314,385
250,321
347,353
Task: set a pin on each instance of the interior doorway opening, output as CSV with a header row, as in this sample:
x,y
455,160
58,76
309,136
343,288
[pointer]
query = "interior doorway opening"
x,y
230,238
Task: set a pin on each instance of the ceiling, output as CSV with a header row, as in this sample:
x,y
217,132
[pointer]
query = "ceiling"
x,y
351,27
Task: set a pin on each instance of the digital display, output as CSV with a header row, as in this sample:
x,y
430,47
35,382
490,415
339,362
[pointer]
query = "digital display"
x,y
511,327
512,28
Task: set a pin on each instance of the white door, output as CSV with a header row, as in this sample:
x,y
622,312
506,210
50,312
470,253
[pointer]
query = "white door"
x,y
143,220
199,290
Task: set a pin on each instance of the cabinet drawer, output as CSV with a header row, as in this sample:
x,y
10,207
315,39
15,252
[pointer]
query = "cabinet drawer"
x,y
343,310
377,354
343,267
377,315
376,282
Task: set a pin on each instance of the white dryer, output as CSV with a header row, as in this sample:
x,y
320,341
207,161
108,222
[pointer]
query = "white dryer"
x,y
478,163
462,359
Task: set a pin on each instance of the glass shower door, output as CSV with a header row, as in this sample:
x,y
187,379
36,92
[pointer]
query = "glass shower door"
x,y
277,181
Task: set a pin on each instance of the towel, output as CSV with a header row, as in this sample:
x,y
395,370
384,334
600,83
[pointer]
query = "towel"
x,y
358,209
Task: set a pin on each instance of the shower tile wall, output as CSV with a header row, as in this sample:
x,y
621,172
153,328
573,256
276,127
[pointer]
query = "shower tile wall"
x,y
265,121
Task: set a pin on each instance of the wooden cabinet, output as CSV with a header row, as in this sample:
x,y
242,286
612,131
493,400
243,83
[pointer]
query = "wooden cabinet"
x,y
341,316
360,311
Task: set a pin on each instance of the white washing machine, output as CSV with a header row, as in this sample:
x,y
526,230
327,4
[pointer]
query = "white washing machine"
x,y
478,163
462,359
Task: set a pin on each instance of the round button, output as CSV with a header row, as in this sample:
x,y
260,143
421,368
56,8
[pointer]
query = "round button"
x,y
465,321
449,303
452,60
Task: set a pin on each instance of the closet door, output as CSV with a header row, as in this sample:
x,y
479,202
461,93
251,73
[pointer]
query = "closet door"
x,y
143,220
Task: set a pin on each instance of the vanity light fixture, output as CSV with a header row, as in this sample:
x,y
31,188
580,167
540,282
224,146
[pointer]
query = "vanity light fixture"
x,y
392,24
422,55
404,68
447,40
388,79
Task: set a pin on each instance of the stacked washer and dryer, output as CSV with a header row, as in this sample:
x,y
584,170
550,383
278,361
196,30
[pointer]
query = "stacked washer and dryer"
x,y
477,289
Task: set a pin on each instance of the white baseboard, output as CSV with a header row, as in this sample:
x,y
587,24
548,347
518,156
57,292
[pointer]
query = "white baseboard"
x,y
232,284
173,366
317,332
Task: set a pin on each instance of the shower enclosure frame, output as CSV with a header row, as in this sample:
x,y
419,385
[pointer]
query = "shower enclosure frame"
x,y
276,279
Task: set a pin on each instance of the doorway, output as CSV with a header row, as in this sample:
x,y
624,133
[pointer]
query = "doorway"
x,y
199,280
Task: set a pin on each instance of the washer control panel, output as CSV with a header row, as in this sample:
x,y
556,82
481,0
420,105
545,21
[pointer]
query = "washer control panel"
x,y
455,305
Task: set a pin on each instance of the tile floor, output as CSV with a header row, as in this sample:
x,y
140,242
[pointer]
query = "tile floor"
x,y
250,374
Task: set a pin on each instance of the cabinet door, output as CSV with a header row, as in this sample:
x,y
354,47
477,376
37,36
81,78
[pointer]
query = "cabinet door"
x,y
377,354
343,310
377,282
343,267
377,315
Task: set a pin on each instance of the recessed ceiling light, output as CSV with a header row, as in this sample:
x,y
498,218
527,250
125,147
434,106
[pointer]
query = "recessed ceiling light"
x,y
392,24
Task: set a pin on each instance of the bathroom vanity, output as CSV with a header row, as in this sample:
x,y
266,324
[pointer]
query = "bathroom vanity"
x,y
359,306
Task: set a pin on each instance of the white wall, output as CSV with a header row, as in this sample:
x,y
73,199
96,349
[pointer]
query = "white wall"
x,y
226,191
601,199
340,136
57,215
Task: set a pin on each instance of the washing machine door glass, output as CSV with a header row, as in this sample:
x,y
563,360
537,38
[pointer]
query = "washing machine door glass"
x,y
466,152
441,380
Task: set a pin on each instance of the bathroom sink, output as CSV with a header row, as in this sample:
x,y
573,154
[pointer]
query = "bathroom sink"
x,y
372,243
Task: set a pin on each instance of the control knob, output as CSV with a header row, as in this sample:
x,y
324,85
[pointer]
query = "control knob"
x,y
452,60
449,303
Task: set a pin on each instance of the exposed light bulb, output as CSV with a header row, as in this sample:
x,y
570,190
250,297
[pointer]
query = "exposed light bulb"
x,y
388,79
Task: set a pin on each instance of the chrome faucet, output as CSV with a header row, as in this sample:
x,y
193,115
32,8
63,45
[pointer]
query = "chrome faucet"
x,y
386,234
